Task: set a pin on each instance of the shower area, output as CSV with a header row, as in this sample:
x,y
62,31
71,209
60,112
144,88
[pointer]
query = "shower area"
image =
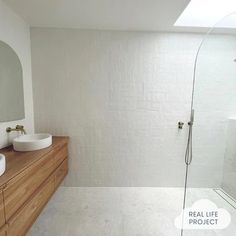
x,y
130,171
211,150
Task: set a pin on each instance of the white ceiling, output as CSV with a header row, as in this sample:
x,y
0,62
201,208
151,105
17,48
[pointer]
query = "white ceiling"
x,y
147,15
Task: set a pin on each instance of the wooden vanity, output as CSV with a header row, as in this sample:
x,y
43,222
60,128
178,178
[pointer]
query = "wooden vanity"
x,y
30,180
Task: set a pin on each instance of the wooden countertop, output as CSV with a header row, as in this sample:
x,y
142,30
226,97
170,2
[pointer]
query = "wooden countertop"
x,y
16,162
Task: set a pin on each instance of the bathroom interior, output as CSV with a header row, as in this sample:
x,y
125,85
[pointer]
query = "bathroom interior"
x,y
116,116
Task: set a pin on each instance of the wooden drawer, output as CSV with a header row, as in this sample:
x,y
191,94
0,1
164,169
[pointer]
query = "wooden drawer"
x,y
19,189
61,155
26,215
3,230
3,233
61,172
2,217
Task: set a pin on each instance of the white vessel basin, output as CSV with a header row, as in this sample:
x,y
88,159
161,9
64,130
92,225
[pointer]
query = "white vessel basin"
x,y
2,164
32,142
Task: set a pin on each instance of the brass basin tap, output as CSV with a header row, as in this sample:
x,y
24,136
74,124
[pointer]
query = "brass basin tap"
x,y
18,128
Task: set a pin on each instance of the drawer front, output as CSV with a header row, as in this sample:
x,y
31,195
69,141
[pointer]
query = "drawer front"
x,y
24,218
2,217
2,233
61,155
26,183
3,230
61,172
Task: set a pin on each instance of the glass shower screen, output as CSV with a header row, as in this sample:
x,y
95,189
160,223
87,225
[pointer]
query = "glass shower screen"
x,y
210,205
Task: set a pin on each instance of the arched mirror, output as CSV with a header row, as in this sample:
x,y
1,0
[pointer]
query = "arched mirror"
x,y
11,85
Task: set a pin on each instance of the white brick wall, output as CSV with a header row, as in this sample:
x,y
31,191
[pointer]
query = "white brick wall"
x,y
119,96
15,32
229,174
214,103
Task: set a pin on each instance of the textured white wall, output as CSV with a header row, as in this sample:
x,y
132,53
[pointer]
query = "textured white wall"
x,y
214,103
119,96
15,32
229,174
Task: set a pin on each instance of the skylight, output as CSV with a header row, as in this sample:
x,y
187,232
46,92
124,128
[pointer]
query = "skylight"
x,y
206,13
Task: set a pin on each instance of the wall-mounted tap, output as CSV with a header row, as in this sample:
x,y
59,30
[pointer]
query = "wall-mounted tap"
x,y
18,128
180,124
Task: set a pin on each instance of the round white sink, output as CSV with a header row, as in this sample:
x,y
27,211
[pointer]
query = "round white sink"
x,y
2,164
32,142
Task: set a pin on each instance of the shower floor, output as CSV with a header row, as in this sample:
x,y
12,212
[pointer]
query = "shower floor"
x,y
132,211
